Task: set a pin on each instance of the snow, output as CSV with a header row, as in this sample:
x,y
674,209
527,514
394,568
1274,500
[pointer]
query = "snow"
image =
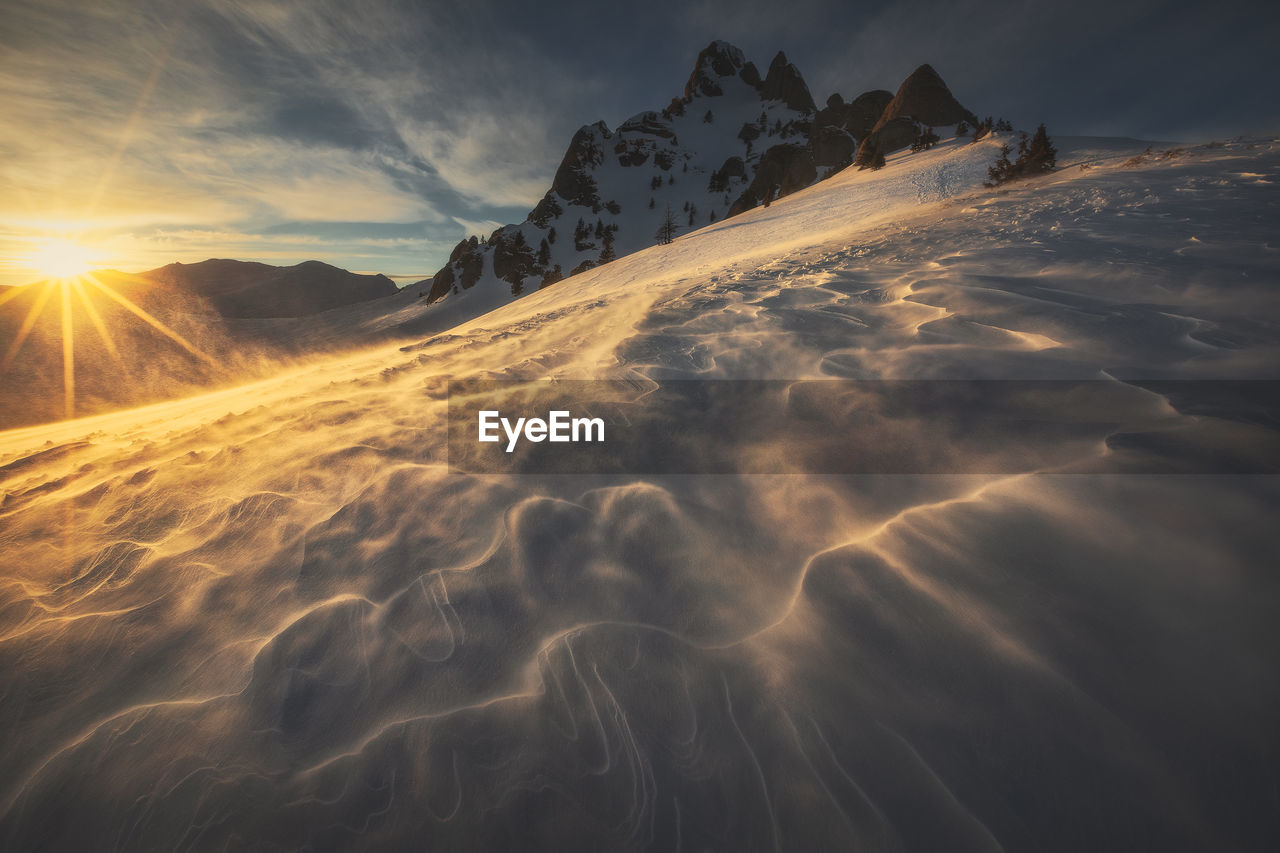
x,y
693,149
271,613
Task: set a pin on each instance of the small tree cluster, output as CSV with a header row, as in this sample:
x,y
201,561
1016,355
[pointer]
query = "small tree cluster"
x,y
924,139
987,125
582,237
1035,157
608,253
551,276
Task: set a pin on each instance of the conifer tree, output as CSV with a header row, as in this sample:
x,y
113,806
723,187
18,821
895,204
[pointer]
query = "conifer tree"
x,y
1041,156
924,139
1002,170
1035,157
667,230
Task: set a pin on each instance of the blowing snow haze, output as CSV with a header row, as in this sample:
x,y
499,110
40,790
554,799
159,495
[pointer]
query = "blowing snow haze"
x,y
920,477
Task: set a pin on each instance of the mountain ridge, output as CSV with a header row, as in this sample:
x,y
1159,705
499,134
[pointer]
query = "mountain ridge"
x,y
733,141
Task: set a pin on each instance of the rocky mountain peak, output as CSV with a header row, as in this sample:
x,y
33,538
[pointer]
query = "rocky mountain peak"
x,y
784,83
732,142
715,61
924,98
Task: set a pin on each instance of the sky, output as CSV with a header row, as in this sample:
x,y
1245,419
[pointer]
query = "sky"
x,y
375,135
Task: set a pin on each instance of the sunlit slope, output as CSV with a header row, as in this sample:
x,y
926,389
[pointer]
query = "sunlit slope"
x,y
271,615
100,340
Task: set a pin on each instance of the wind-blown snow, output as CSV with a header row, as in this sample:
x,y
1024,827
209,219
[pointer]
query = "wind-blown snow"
x,y
271,618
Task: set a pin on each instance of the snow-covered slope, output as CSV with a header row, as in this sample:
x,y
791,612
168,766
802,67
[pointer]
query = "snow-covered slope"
x,y
272,617
735,140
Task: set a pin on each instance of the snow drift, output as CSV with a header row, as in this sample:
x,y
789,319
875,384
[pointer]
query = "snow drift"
x,y
270,618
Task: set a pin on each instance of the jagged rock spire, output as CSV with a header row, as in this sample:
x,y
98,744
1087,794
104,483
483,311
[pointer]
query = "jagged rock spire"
x,y
716,60
784,83
924,98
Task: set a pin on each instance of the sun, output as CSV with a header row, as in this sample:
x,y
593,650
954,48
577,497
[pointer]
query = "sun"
x,y
63,259
70,281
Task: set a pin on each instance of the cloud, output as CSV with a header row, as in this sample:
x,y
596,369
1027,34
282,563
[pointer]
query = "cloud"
x,y
246,116
481,228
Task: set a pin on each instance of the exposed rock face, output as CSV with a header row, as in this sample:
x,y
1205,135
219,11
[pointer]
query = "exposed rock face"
x,y
573,181
894,134
925,99
858,117
832,147
722,178
513,259
922,99
441,283
717,60
783,170
784,83
731,142
838,127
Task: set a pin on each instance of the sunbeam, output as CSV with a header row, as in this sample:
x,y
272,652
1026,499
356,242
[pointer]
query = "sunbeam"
x,y
68,288
96,319
12,293
27,325
151,321
68,352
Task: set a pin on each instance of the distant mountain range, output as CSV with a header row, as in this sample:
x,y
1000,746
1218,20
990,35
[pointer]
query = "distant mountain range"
x,y
246,289
734,140
240,317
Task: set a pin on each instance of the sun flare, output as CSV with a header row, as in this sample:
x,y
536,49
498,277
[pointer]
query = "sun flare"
x,y
70,284
63,259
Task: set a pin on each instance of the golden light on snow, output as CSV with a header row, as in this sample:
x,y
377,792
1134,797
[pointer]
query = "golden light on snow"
x,y
77,291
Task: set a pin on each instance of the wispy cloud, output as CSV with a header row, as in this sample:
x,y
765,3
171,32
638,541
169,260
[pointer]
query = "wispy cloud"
x,y
247,115
242,116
